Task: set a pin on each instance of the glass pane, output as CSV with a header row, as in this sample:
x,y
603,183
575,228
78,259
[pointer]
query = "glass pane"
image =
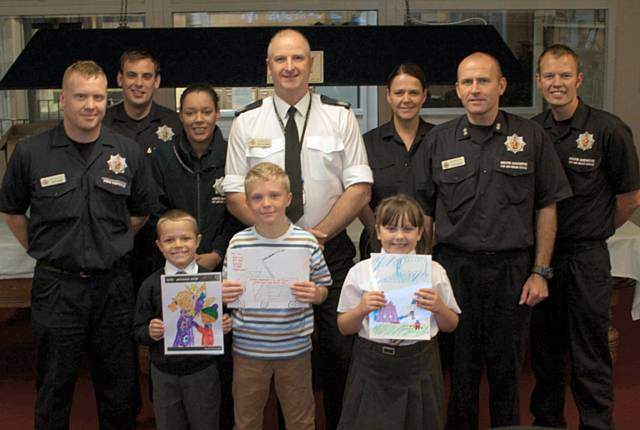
x,y
15,32
235,98
584,30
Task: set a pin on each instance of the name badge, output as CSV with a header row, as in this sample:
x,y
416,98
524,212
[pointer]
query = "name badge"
x,y
116,182
53,180
453,162
259,142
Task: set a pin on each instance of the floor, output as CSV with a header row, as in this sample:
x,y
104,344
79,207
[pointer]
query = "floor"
x,y
17,392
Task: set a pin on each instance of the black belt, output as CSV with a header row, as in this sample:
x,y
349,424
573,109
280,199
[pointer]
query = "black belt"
x,y
392,350
503,254
82,274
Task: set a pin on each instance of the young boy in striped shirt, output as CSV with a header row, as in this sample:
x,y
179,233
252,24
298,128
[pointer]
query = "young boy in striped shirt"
x,y
274,342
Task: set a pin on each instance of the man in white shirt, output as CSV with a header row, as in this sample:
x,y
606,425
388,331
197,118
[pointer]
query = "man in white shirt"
x,y
334,178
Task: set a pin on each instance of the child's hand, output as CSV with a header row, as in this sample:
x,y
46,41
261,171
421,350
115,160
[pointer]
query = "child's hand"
x,y
156,329
372,300
231,290
226,323
309,292
429,299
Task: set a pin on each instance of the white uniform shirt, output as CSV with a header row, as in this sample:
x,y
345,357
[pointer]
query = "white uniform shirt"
x,y
359,281
333,156
191,269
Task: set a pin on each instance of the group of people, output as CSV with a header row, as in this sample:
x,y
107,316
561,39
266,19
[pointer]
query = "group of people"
x,y
516,213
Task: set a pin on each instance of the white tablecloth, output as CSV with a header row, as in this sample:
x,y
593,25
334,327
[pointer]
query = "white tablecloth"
x,y
14,261
624,248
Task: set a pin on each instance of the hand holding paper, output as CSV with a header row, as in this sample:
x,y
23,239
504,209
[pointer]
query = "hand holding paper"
x,y
156,329
371,301
309,292
231,290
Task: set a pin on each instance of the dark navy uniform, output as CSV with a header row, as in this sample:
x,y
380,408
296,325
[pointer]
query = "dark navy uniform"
x,y
195,185
161,126
392,167
600,160
82,297
483,194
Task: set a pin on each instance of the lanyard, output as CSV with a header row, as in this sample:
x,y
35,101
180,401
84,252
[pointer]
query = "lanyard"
x,y
306,118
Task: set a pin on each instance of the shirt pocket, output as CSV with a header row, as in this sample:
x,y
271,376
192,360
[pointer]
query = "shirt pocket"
x,y
583,173
274,153
110,199
516,181
387,178
57,203
325,157
457,186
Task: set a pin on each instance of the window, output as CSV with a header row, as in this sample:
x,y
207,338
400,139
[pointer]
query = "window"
x,y
235,98
527,32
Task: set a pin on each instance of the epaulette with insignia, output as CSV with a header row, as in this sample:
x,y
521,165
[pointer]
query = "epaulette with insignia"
x,y
329,101
249,107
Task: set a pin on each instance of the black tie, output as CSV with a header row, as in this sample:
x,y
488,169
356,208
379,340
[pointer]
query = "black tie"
x,y
293,146
181,272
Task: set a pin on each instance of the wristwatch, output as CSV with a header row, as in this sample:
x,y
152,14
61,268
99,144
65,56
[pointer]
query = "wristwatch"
x,y
545,272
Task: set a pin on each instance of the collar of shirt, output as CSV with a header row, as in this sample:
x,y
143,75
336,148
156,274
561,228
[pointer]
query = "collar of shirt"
x,y
382,251
499,127
215,155
59,137
578,120
273,239
388,132
119,114
191,269
282,108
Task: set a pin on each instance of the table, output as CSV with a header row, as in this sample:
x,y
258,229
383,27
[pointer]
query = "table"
x,y
16,271
624,248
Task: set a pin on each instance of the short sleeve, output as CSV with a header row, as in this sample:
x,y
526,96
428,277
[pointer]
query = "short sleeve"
x,y
551,181
356,166
351,292
440,282
236,166
622,161
15,195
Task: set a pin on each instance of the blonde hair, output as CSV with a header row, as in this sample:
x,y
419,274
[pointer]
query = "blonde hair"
x,y
267,172
176,215
85,68
400,207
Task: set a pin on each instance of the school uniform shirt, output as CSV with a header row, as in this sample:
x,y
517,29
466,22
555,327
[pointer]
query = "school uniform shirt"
x,y
161,125
359,281
597,151
276,334
195,185
483,194
391,163
333,156
148,307
79,209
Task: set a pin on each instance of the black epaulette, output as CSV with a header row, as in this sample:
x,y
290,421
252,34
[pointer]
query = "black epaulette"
x,y
249,107
329,101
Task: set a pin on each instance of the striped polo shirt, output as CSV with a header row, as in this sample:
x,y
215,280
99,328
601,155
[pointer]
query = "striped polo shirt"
x,y
275,334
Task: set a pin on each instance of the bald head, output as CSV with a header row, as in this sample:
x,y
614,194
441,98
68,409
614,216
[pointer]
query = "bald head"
x,y
479,86
288,33
481,58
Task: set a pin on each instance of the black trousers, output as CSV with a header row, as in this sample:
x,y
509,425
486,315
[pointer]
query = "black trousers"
x,y
334,349
76,318
493,330
574,321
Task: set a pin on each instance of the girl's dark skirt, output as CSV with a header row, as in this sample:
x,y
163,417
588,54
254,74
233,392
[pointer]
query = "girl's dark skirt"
x,y
393,387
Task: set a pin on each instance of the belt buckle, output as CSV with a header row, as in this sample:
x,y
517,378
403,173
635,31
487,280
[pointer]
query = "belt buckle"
x,y
388,350
84,275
